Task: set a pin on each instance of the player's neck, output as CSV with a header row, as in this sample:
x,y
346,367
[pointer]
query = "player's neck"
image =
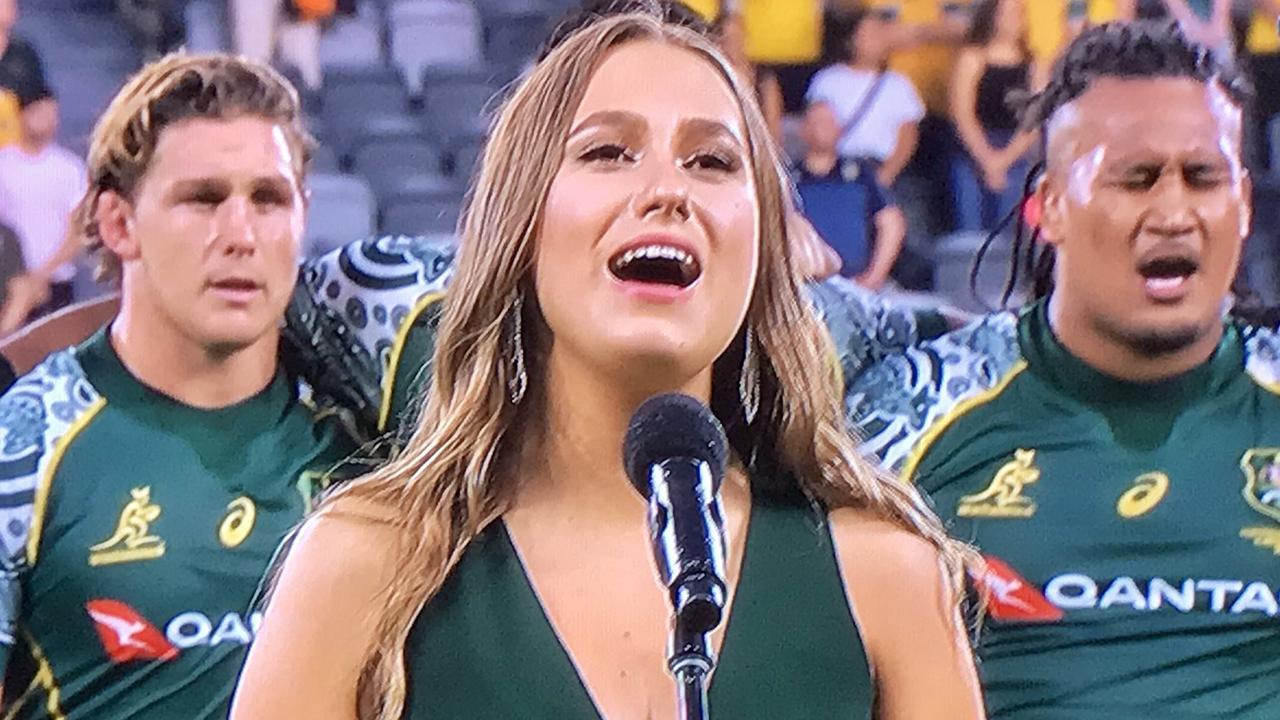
x,y
578,441
32,148
1121,361
167,360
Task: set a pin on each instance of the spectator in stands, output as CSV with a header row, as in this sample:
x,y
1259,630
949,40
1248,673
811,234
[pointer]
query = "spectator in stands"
x,y
259,27
1207,22
850,210
40,184
988,171
730,34
878,109
1262,45
157,24
21,72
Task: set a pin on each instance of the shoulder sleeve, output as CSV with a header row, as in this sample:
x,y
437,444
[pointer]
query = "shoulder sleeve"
x,y
350,310
912,106
1262,356
865,327
38,417
819,87
900,402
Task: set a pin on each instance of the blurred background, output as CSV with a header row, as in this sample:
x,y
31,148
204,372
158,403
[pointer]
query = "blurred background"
x,y
892,112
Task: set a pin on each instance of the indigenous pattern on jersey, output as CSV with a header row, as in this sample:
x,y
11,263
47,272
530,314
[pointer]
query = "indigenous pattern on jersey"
x,y
362,323
1132,530
136,531
346,324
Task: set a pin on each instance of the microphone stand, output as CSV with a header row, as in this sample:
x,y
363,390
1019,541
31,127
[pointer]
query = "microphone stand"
x,y
690,659
691,663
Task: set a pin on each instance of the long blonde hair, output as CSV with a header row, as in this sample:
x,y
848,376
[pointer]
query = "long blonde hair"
x,y
454,475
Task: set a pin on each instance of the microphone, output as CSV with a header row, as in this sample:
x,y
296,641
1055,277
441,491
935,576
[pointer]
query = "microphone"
x,y
674,453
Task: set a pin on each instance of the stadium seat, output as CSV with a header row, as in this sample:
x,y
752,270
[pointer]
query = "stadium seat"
x,y
342,210
354,105
206,22
953,257
386,162
422,203
325,160
464,155
354,42
513,35
455,99
430,33
421,216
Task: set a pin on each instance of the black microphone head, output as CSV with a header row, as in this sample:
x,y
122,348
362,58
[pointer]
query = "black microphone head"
x,y
670,426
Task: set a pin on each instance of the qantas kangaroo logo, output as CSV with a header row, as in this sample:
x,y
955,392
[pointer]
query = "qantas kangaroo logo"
x,y
126,635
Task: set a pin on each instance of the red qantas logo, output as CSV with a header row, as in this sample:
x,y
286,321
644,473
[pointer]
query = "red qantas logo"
x,y
1011,598
126,635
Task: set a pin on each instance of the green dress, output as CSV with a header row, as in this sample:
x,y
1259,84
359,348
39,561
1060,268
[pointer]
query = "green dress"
x,y
484,649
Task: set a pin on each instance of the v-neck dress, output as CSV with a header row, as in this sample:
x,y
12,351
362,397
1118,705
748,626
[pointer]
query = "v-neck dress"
x,y
484,648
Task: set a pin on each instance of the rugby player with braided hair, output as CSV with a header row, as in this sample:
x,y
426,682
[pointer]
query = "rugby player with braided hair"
x,y
1112,448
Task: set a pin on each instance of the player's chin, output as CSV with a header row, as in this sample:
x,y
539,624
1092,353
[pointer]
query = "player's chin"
x,y
231,334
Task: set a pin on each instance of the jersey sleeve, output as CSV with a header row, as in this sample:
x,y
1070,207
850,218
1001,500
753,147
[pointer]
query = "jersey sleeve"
x,y
353,308
36,414
865,327
899,399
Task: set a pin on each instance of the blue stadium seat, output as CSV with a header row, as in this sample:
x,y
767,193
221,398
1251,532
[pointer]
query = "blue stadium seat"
x,y
431,33
464,155
357,105
342,210
953,257
325,160
386,163
513,35
424,205
352,42
206,22
455,99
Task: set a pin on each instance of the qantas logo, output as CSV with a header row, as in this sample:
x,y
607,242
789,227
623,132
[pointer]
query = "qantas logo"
x,y
1011,598
127,636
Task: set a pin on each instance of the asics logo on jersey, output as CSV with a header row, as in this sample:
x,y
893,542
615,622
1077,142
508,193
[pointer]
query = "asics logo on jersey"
x,y
132,539
1147,492
238,522
1003,498
1261,468
127,636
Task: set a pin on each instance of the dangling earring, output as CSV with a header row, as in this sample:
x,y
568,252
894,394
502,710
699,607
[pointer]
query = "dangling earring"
x,y
518,381
749,380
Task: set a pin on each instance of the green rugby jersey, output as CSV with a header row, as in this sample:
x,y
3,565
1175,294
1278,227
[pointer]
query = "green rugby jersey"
x,y
1133,530
135,532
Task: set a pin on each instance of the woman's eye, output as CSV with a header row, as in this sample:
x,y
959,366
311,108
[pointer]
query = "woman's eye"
x,y
607,153
712,161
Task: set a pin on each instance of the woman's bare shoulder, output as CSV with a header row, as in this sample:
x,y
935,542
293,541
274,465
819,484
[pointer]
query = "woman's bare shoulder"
x,y
889,570
347,539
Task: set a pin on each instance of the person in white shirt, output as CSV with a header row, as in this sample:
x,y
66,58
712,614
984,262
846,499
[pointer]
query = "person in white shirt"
x,y
40,183
878,109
